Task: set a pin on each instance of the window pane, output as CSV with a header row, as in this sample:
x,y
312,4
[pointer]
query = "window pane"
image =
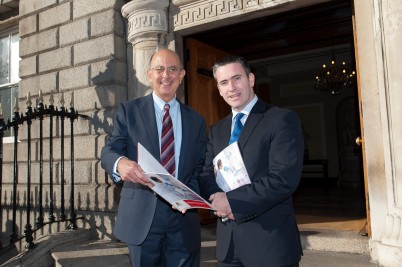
x,y
9,75
15,58
7,99
4,57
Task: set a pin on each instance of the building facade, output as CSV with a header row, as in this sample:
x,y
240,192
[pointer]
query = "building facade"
x,y
95,52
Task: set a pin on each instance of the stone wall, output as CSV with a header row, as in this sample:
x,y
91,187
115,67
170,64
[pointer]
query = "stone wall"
x,y
74,48
79,46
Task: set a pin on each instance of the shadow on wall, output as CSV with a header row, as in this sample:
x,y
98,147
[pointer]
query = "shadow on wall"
x,y
109,93
112,88
103,224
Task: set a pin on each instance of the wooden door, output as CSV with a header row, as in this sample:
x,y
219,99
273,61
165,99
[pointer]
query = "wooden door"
x,y
360,139
202,92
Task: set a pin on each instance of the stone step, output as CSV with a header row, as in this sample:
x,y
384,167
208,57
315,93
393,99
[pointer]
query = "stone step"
x,y
99,253
335,241
81,248
40,255
104,253
317,239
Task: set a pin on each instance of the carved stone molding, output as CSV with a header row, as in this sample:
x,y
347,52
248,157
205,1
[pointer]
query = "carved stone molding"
x,y
390,14
393,12
201,12
182,2
393,231
147,20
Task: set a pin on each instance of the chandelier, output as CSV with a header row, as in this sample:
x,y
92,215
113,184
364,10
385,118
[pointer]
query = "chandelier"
x,y
335,78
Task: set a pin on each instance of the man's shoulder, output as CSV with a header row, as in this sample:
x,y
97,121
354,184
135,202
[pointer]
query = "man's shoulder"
x,y
264,107
136,101
282,110
275,114
190,110
222,122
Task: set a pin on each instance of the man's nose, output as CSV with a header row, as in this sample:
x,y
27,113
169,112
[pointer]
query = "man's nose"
x,y
232,85
165,72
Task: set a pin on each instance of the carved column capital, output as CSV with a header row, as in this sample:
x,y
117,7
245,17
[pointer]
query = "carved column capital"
x,y
147,20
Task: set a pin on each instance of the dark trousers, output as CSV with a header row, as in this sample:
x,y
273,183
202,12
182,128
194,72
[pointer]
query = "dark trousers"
x,y
164,246
232,260
224,264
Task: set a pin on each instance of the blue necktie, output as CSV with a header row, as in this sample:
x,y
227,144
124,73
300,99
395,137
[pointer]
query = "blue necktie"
x,y
236,129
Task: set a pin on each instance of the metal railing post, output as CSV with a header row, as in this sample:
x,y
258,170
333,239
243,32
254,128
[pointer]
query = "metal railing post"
x,y
51,113
15,121
73,116
62,116
40,114
28,227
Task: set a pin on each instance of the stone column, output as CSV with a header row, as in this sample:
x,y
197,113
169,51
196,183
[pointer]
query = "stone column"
x,y
379,35
390,13
147,31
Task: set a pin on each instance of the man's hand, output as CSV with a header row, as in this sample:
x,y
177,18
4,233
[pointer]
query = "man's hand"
x,y
183,211
221,204
130,171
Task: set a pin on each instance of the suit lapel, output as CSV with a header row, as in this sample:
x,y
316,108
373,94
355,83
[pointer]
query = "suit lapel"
x,y
254,118
148,116
223,133
248,129
187,131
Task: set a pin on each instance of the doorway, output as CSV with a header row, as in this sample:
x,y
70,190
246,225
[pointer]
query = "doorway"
x,y
286,51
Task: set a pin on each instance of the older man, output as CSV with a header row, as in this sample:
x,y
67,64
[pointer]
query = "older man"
x,y
156,234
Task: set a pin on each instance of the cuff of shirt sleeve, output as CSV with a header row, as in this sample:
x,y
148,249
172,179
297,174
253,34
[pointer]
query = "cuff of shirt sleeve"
x,y
116,177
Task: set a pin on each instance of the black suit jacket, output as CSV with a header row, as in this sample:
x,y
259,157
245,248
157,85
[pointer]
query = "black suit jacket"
x,y
135,122
271,143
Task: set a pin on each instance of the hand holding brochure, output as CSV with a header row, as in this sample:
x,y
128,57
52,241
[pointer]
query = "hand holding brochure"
x,y
229,168
171,189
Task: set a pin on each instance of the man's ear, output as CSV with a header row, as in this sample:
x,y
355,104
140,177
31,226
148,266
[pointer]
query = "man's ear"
x,y
251,79
149,74
182,74
219,90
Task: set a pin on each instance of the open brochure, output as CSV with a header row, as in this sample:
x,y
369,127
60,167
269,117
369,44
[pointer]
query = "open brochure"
x,y
229,168
167,186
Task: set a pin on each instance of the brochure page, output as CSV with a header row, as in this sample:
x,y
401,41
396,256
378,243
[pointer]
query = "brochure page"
x,y
167,186
229,168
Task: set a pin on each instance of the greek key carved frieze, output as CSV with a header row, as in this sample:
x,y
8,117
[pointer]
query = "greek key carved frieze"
x,y
147,21
218,9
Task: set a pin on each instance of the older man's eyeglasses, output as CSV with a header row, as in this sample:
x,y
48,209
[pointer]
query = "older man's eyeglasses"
x,y
171,69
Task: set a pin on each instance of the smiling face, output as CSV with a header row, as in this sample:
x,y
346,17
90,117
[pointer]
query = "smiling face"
x,y
234,85
165,74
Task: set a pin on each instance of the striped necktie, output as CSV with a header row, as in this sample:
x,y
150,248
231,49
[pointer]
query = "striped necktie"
x,y
237,128
167,142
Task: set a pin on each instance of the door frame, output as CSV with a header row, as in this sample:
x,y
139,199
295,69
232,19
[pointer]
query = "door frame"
x,y
180,35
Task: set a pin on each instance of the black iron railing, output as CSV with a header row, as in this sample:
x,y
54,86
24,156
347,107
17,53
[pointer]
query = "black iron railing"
x,y
39,113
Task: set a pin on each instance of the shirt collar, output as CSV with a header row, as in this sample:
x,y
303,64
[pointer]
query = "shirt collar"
x,y
161,104
247,108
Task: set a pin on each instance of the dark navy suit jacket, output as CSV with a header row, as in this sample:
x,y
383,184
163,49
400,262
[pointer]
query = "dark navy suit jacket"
x,y
271,144
135,122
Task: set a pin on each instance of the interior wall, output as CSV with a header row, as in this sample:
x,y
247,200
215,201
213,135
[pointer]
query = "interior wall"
x,y
288,80
291,81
